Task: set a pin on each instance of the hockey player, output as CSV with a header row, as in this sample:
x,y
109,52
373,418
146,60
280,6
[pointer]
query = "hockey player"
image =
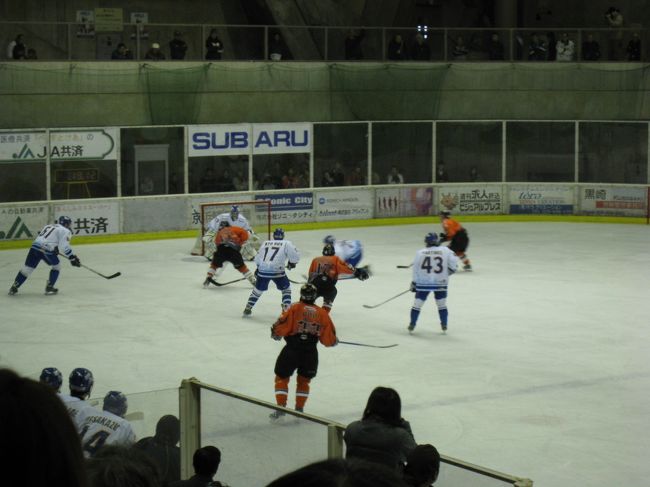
x,y
270,260
229,241
302,325
52,241
234,219
81,383
324,273
107,427
457,235
350,251
432,267
52,377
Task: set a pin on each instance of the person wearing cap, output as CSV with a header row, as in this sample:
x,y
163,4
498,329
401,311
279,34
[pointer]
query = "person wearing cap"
x,y
177,46
154,53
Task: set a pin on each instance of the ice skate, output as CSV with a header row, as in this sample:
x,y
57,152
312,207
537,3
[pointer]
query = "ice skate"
x,y
247,311
411,327
206,283
444,328
277,416
13,290
467,267
49,289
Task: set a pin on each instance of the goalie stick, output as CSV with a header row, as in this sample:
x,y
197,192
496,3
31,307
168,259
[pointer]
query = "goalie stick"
x,y
368,345
384,302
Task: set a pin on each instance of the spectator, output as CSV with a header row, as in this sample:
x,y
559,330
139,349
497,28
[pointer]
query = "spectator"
x,y
460,51
240,181
552,46
357,178
565,48
353,50
615,22
422,466
12,44
396,50
382,435
327,180
634,48
122,466
177,46
175,184
395,177
81,383
162,448
441,173
268,182
107,427
420,51
38,441
146,186
225,182
289,179
277,48
206,462
376,179
121,52
154,53
536,49
590,49
208,182
213,46
495,48
338,175
474,174
31,54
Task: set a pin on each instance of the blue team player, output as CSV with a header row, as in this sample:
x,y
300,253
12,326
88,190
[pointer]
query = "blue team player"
x,y
53,240
349,251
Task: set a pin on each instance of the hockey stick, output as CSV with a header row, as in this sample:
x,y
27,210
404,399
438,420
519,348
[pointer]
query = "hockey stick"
x,y
368,345
134,416
405,266
296,282
384,302
112,276
212,281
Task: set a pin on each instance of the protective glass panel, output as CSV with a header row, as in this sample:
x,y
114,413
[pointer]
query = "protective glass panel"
x,y
22,181
83,179
281,171
354,44
540,151
218,174
340,154
402,149
468,151
613,152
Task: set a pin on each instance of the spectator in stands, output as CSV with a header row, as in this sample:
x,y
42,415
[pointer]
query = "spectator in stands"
x,y
441,173
289,179
267,182
154,53
565,48
240,181
38,441
396,48
327,180
536,48
162,447
225,181
460,51
394,176
337,473
495,48
177,46
120,466
277,48
337,174
382,435
353,49
206,462
16,42
208,182
121,52
213,46
146,186
357,178
614,20
474,175
590,49
422,466
420,50
31,54
634,48
552,46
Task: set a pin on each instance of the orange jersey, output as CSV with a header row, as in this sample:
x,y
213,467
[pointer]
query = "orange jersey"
x,y
451,227
330,266
231,237
308,323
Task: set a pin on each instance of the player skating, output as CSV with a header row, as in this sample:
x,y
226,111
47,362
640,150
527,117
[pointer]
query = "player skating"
x,y
51,241
234,219
302,325
107,427
432,267
350,251
228,242
324,273
457,236
270,261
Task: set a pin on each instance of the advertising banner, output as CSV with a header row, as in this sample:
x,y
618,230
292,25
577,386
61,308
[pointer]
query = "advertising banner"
x,y
394,202
547,200
344,205
91,218
84,145
290,207
282,138
22,221
23,146
613,200
475,199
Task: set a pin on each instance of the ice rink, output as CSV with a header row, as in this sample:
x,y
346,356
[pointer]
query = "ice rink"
x,y
542,374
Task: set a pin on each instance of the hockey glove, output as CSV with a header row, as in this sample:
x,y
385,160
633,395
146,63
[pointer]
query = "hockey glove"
x,y
277,338
361,273
412,288
74,260
443,237
291,265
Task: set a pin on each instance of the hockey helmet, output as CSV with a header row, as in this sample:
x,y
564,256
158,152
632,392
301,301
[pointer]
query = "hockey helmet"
x,y
329,239
328,249
51,376
65,221
115,402
223,224
431,239
81,380
278,234
308,293
445,213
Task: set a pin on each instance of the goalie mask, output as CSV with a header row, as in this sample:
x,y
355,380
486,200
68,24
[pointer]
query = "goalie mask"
x,y
234,212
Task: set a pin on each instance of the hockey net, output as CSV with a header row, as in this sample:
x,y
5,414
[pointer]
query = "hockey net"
x,y
258,214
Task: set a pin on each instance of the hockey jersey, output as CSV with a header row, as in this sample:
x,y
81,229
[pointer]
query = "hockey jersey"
x,y
105,428
451,227
233,237
348,250
305,325
330,267
79,410
240,222
53,237
432,267
272,257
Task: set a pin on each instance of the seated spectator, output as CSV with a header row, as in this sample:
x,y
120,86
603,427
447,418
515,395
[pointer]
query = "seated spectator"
x,y
289,179
38,440
327,180
396,49
382,435
206,462
634,48
536,48
10,47
441,173
552,46
51,377
31,54
177,46
565,48
107,427
474,174
395,177
146,186
277,48
357,178
154,53
121,52
267,182
590,49
495,48
422,466
225,182
81,383
338,175
162,447
213,46
460,50
420,51
353,50
122,466
208,182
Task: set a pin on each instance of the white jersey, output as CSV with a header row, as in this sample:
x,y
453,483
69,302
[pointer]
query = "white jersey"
x,y
272,256
349,251
52,237
432,267
79,410
241,221
105,428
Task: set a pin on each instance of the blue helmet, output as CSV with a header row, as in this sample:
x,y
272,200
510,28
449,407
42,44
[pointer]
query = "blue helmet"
x,y
329,239
278,234
65,221
115,402
51,376
81,380
234,212
431,239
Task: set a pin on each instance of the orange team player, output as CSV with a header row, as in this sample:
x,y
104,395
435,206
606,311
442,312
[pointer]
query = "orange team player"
x,y
302,325
229,241
457,235
324,273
